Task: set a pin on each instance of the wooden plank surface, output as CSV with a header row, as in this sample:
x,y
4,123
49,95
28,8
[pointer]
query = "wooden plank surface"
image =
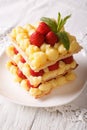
x,y
16,117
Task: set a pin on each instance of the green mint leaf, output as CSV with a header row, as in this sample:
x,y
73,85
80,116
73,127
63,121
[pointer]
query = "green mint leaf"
x,y
64,39
61,21
61,25
51,23
59,17
66,18
58,20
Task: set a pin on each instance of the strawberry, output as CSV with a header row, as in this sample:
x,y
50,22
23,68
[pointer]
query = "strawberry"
x,y
43,28
33,73
22,60
15,51
20,74
54,66
30,85
13,63
37,39
68,60
51,38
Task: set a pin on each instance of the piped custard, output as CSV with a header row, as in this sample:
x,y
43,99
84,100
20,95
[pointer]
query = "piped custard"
x,y
42,56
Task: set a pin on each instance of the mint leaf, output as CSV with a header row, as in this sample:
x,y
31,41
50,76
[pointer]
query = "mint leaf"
x,y
58,21
59,17
61,21
64,39
51,23
67,17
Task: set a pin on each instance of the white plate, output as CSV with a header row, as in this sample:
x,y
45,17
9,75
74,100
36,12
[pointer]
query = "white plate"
x,y
59,96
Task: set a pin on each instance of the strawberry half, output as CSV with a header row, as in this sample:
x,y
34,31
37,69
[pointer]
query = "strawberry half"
x,y
15,51
30,85
13,63
22,60
43,28
20,74
51,38
54,66
68,60
37,39
33,73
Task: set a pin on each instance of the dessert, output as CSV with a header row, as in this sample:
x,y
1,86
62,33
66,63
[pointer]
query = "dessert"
x,y
41,56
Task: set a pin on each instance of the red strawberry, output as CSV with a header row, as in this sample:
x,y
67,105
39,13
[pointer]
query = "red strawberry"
x,y
54,66
22,60
30,85
37,39
33,73
13,63
43,28
20,74
15,51
68,60
51,38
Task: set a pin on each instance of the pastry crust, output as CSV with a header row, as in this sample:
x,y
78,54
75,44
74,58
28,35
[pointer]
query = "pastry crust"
x,y
36,80
44,88
33,54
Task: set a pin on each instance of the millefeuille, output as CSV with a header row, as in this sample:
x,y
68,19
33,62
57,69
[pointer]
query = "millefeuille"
x,y
41,56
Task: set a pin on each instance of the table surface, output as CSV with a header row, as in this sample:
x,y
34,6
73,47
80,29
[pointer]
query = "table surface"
x,y
16,117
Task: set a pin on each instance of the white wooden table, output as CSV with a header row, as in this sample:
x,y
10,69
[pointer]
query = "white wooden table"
x,y
15,117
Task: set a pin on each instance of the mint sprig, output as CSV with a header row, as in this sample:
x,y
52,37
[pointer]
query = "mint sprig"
x,y
56,27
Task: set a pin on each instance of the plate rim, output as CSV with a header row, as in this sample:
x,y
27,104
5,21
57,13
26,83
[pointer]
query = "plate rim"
x,y
39,106
9,98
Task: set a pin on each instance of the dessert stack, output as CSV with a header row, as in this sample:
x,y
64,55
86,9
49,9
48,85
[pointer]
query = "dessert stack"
x,y
41,55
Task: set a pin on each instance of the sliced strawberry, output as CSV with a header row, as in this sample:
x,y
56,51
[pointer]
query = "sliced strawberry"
x,y
22,60
33,73
54,66
15,51
68,60
13,63
30,85
20,74
51,38
43,28
37,39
